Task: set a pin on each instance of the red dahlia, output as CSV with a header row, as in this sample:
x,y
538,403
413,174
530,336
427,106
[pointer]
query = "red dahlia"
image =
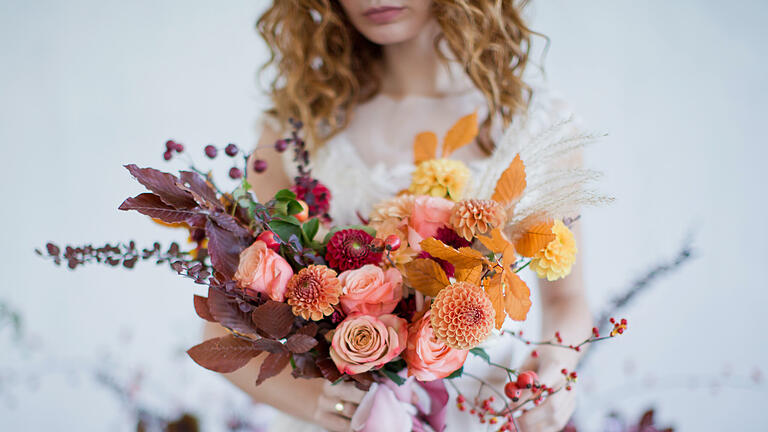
x,y
351,249
314,193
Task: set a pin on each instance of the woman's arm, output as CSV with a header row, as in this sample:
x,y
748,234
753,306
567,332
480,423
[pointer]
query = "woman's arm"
x,y
311,400
564,309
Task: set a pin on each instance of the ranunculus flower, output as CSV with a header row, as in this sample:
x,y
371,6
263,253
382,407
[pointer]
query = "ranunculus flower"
x,y
370,290
428,358
363,342
429,214
262,270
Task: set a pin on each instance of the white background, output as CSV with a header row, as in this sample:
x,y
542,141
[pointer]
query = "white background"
x,y
86,86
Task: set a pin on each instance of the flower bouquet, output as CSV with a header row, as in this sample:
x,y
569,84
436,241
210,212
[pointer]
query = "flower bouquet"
x,y
399,300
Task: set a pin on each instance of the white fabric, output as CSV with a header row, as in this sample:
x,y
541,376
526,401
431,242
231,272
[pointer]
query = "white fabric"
x,y
372,161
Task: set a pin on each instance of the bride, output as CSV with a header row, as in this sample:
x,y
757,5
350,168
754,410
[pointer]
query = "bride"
x,y
365,76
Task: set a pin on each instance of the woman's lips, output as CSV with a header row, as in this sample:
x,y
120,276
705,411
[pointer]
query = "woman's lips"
x,y
384,14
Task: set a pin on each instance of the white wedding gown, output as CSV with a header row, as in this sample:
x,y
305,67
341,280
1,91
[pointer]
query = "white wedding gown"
x,y
372,160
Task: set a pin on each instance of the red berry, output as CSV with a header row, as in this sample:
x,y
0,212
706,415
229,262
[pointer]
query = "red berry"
x,y
623,321
281,145
231,150
392,242
596,332
235,173
460,398
525,380
211,151
167,155
178,147
568,388
268,237
512,391
535,354
170,145
612,320
259,165
377,244
564,371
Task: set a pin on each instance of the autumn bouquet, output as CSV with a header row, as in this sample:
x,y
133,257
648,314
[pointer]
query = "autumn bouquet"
x,y
398,301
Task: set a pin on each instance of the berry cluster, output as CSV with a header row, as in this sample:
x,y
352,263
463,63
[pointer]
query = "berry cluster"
x,y
170,147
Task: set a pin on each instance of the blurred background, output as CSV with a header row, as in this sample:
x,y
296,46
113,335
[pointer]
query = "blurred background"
x,y
87,86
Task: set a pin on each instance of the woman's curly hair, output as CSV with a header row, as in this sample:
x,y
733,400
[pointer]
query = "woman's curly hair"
x,y
325,67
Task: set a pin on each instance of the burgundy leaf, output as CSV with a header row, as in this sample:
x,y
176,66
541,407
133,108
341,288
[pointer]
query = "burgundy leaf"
x,y
363,381
224,248
164,185
270,345
52,249
305,367
328,369
226,312
309,330
274,318
646,420
271,366
202,192
151,205
201,307
299,343
224,354
230,224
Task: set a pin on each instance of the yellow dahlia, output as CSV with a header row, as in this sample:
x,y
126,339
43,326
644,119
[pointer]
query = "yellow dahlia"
x,y
313,291
555,260
462,315
442,178
472,217
399,207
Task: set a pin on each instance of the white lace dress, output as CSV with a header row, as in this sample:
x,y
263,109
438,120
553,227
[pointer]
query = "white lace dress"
x,y
372,160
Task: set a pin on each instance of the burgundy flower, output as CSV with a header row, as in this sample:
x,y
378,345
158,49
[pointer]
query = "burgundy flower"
x,y
451,238
351,249
314,193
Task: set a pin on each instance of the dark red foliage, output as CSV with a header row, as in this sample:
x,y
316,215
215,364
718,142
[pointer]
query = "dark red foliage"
x,y
224,354
451,238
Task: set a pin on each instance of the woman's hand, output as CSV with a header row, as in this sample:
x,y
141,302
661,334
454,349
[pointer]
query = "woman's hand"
x,y
336,405
553,414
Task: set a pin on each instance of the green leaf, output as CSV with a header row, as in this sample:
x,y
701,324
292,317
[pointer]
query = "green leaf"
x,y
457,373
480,352
397,379
281,208
288,219
285,195
294,207
284,230
311,227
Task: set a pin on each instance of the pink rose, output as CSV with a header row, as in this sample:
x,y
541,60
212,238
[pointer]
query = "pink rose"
x,y
362,342
429,359
370,290
262,270
429,214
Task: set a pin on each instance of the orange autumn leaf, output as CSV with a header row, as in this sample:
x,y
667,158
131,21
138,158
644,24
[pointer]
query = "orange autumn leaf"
x,y
473,275
534,238
461,134
465,258
494,289
424,147
426,276
511,183
517,296
496,242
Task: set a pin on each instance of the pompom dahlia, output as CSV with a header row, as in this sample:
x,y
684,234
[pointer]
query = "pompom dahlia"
x,y
462,315
351,249
555,261
472,217
441,178
313,291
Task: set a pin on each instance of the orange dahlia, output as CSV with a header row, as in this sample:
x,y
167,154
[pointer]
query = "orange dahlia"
x,y
471,217
313,291
462,315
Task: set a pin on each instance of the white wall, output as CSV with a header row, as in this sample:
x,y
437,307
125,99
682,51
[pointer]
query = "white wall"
x,y
86,86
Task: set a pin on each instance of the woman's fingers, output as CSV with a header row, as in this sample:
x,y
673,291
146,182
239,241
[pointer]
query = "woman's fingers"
x,y
344,391
333,423
332,404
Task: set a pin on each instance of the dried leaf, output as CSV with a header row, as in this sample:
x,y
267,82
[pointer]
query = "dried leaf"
x,y
517,296
534,238
229,223
465,257
328,369
461,134
310,330
495,291
272,365
299,343
165,185
201,191
151,205
224,248
473,275
274,318
495,242
426,276
511,183
201,307
424,147
305,366
226,311
224,354
270,345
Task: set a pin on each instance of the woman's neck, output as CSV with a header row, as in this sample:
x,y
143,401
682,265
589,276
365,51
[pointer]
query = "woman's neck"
x,y
413,67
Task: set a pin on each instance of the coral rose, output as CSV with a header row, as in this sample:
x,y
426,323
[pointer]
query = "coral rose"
x,y
370,290
427,357
262,270
362,342
429,215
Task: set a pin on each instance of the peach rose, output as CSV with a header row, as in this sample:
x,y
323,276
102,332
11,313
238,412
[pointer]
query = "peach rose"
x,y
362,342
262,270
429,359
370,290
429,214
